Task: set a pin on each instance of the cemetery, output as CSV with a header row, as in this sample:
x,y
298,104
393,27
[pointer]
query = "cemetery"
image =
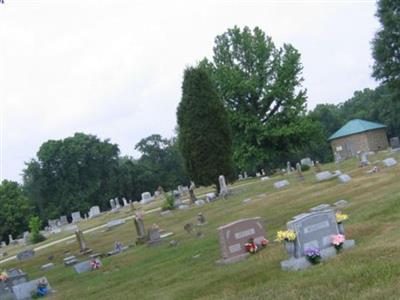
x,y
316,236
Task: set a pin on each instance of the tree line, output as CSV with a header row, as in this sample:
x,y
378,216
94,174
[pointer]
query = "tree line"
x,y
244,109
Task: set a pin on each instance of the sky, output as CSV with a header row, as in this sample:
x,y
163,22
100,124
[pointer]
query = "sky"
x,y
114,68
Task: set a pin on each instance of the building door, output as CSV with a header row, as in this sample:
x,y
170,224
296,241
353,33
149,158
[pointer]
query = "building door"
x,y
349,149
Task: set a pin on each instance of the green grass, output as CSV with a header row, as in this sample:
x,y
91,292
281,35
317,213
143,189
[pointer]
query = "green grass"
x,y
371,270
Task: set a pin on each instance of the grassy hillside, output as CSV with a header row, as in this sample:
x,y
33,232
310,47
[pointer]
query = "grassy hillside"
x,y
371,270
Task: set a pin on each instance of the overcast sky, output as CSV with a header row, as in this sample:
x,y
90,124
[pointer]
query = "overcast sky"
x,y
114,68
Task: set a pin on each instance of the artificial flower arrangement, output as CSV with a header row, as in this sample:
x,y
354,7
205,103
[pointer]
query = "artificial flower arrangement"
x,y
42,288
341,217
95,264
285,235
313,255
252,247
3,277
337,241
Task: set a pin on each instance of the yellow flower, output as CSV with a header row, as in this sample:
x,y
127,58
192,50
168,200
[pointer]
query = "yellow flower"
x,y
341,217
285,235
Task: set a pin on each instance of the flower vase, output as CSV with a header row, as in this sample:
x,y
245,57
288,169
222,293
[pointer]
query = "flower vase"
x,y
290,248
340,227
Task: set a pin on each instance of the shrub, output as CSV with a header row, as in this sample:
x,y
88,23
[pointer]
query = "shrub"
x,y
34,226
305,168
169,202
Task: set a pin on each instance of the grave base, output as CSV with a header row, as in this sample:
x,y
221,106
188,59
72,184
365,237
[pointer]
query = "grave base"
x,y
301,263
231,260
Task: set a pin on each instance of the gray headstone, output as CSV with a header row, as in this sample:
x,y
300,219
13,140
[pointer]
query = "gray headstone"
x,y
344,178
146,198
200,202
26,254
24,290
63,220
325,175
115,223
112,204
47,266
85,266
313,229
76,216
389,162
395,142
223,188
281,184
94,211
306,161
154,236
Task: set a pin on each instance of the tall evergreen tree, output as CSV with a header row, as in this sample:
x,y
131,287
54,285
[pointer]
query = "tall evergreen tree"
x,y
386,45
204,133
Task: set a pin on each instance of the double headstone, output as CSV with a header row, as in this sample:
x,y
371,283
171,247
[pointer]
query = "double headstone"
x,y
313,230
24,291
389,162
234,236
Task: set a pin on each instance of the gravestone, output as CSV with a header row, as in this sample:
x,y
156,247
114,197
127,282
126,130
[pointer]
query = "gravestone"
x,y
201,220
264,178
320,207
281,184
313,229
300,175
154,236
146,198
76,217
199,202
25,255
389,162
344,178
70,260
325,175
125,202
81,242
306,162
94,212
16,276
86,266
364,159
115,223
245,175
223,188
140,230
240,177
234,236
395,142
63,220
117,204
288,168
210,197
47,266
112,204
23,291
263,172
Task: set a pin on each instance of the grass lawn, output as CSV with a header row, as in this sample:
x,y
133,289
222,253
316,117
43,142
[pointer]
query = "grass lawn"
x,y
371,270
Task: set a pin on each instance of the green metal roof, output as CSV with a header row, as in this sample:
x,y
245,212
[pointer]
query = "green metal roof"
x,y
355,126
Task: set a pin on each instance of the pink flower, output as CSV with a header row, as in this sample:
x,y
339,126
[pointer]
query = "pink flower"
x,y
337,239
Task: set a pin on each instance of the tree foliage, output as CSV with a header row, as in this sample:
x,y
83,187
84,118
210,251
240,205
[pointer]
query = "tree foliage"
x,y
204,133
15,210
260,84
386,44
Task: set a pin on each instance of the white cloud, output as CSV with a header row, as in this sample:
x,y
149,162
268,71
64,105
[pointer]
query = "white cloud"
x,y
114,68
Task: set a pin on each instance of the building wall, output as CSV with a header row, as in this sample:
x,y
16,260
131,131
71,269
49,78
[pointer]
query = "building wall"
x,y
374,140
348,146
377,140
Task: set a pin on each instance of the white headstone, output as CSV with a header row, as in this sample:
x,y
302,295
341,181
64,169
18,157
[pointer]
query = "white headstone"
x,y
389,162
223,188
146,198
94,211
281,184
344,178
325,175
125,201
76,216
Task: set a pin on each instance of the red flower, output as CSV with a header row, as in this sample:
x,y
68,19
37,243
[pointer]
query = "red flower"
x,y
264,242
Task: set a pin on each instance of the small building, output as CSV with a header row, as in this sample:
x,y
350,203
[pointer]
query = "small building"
x,y
358,135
